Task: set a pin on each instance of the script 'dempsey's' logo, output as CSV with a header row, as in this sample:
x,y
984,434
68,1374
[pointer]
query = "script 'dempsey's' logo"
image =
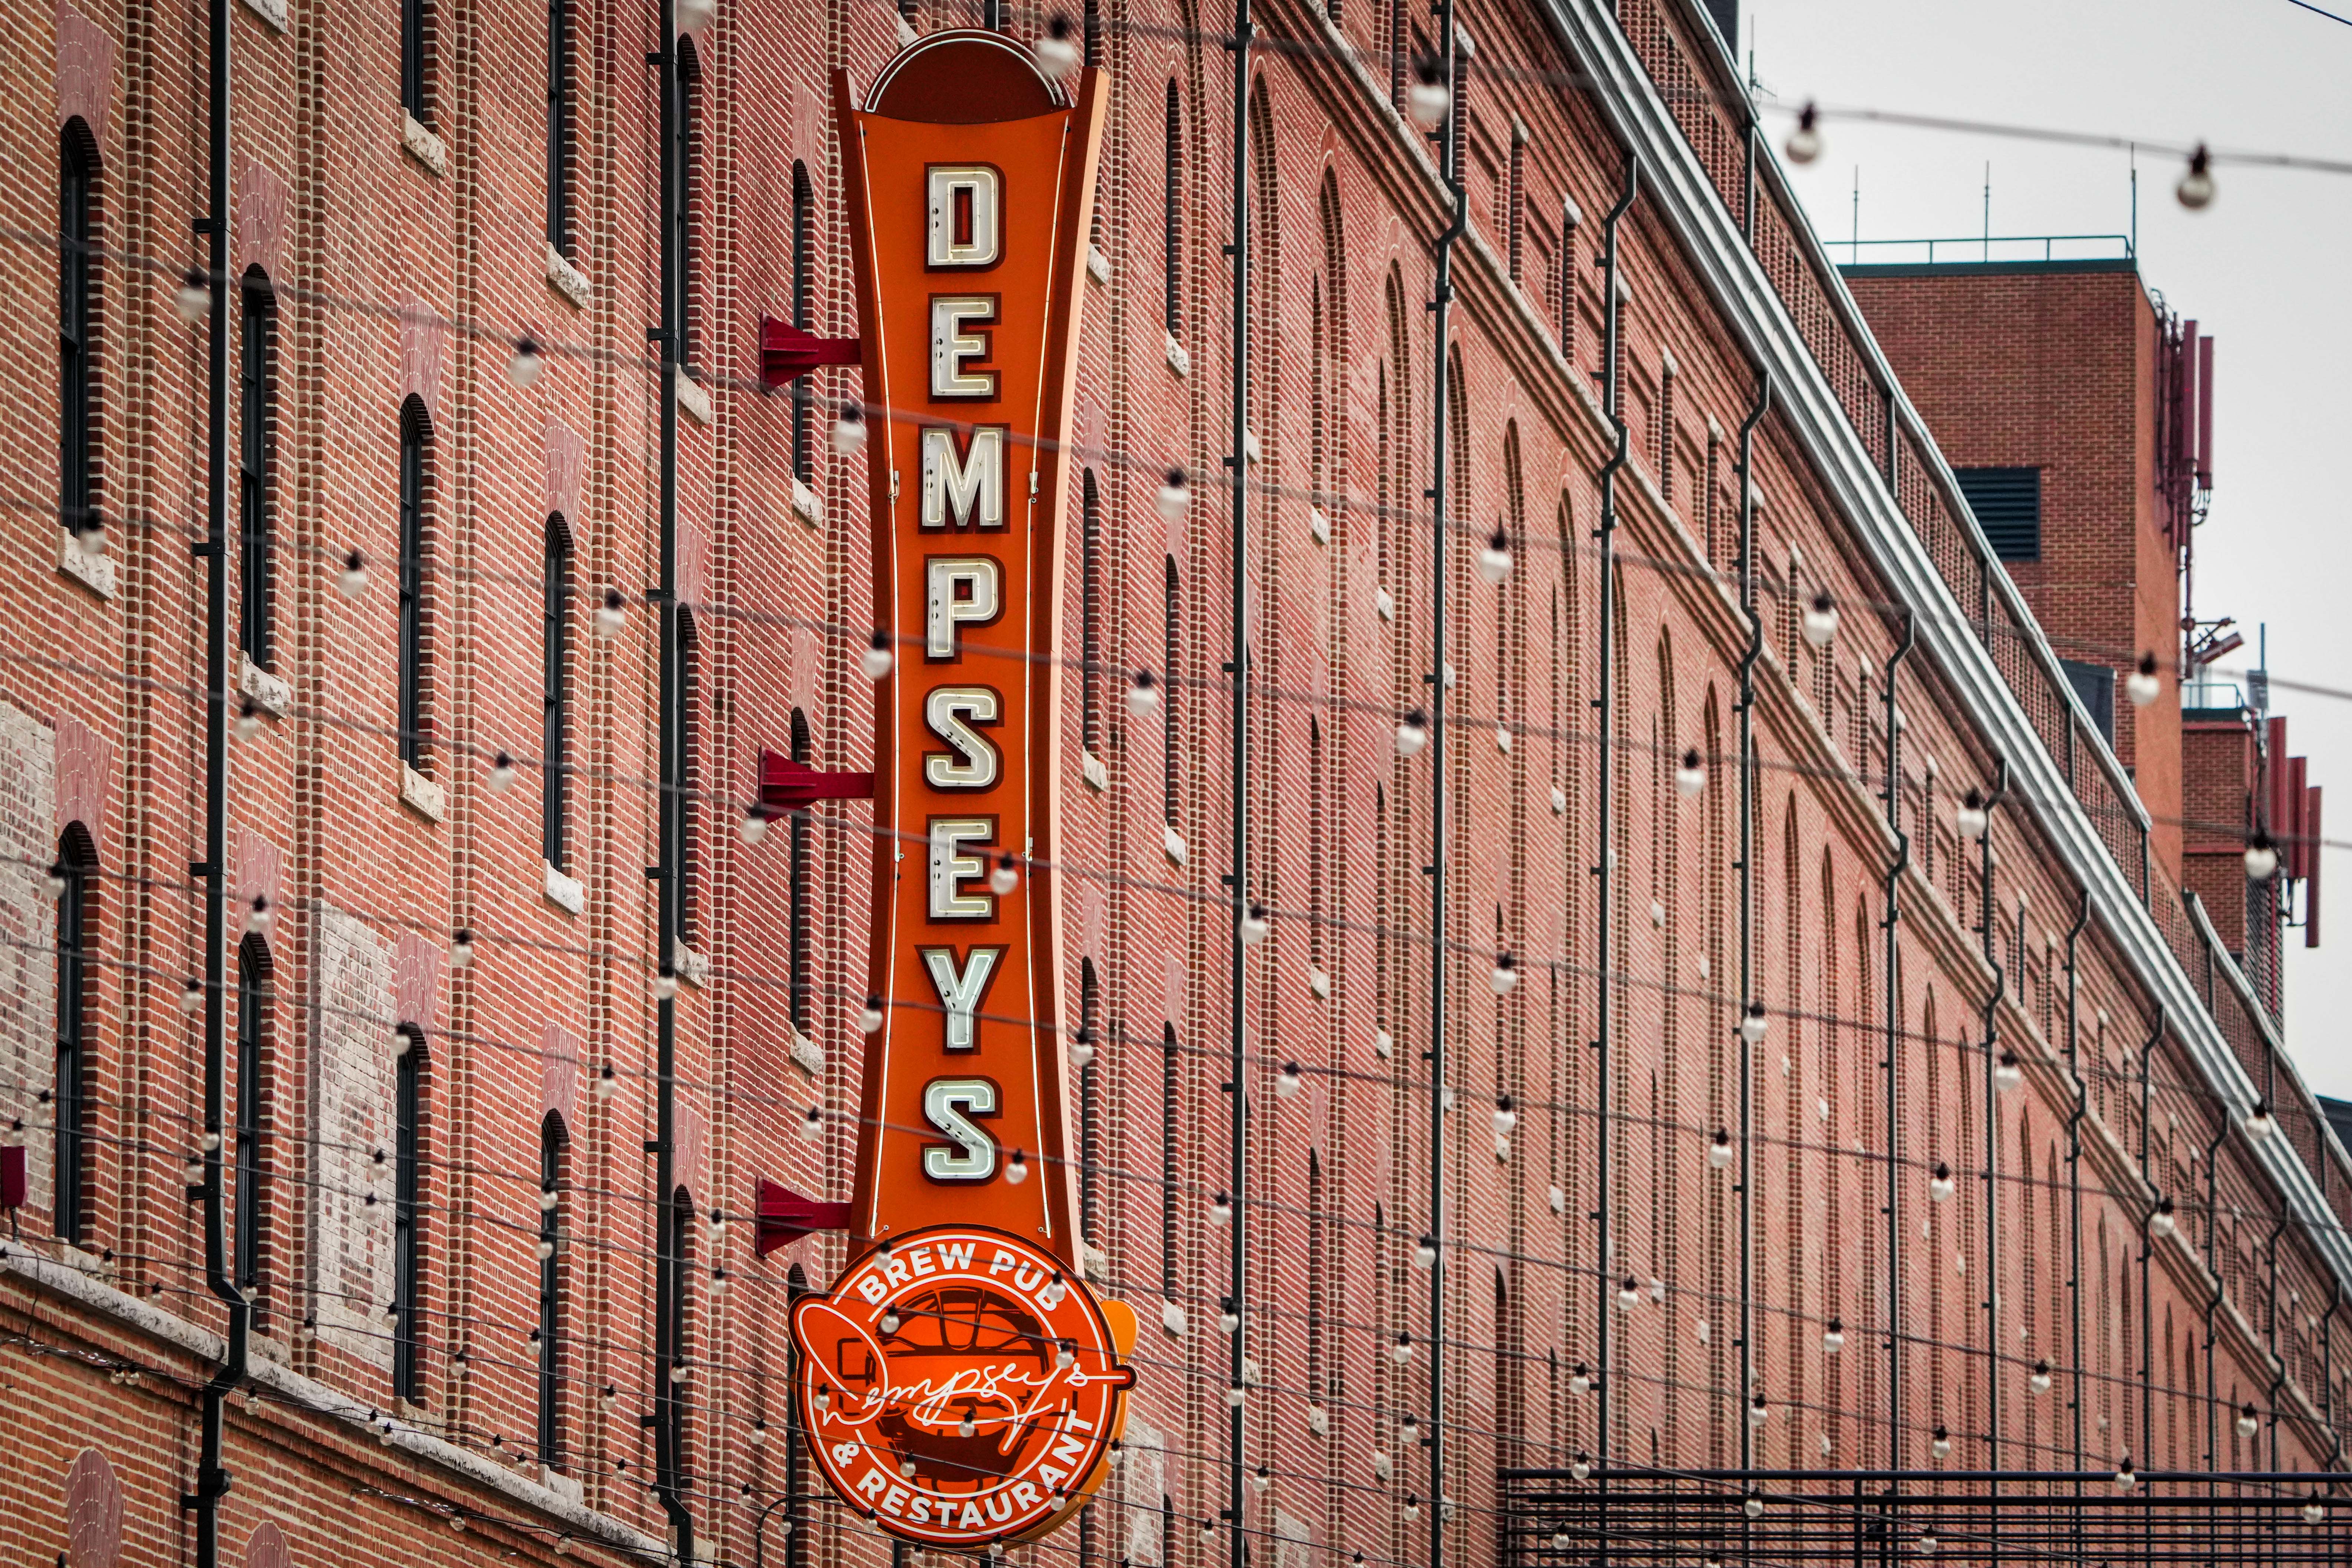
x,y
960,1383
960,1388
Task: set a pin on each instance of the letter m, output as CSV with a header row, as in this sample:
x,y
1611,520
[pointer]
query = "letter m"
x,y
964,488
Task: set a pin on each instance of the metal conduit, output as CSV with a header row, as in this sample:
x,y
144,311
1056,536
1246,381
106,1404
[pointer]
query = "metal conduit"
x,y
1754,651
1894,1012
1238,668
1988,930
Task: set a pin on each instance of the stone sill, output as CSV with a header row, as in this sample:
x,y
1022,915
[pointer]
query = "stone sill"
x,y
423,145
272,12
807,1054
807,505
270,694
1179,359
93,569
566,893
314,1397
1098,265
568,280
693,399
421,794
1091,769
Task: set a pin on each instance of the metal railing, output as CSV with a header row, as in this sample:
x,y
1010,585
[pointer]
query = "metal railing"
x,y
2013,247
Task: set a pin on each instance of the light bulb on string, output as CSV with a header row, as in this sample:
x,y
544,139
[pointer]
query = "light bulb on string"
x,y
248,719
1821,620
1690,778
1969,817
502,774
1759,1412
665,981
1006,876
191,995
608,1081
1940,1445
353,578
1175,495
1753,1023
611,615
193,298
1428,98
1254,925
870,1018
1411,733
524,365
2315,1511
1220,1210
877,660
2142,685
850,430
2260,1122
1506,1116
2262,857
1262,1480
1495,561
1384,1044
2039,1380
1833,1337
1628,1294
1229,1321
1412,1507
1753,1505
1804,144
1582,1466
1082,1048
1402,1353
1016,1170
1504,975
1287,1082
1720,1153
1941,1184
813,1125
1424,1253
2125,1476
2161,1223
2008,1072
1054,52
755,824
1580,1380
1927,1545
2249,1421
2196,190
461,950
1143,694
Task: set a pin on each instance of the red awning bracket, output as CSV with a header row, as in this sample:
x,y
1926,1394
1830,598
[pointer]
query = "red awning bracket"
x,y
783,1216
787,353
787,785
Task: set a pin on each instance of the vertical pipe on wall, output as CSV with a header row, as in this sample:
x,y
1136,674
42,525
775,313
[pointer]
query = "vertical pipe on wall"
x,y
1893,1009
213,1479
1754,651
2074,1176
1237,466
669,1225
1441,552
1988,931
1605,867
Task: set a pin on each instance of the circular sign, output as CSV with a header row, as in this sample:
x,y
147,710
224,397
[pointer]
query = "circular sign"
x,y
960,1387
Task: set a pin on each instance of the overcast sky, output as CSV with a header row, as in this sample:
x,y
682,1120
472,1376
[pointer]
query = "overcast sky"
x,y
2267,269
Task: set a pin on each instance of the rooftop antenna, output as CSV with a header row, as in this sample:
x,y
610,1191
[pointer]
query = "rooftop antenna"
x,y
1987,210
1854,246
2134,242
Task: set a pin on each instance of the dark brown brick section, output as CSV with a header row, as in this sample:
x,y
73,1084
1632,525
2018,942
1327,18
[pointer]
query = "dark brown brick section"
x,y
399,282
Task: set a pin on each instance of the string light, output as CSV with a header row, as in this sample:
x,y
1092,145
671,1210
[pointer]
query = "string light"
x,y
2007,1074
1175,495
1403,1351
2262,857
1753,1505
870,1018
877,660
2260,1123
2039,1380
1969,818
1759,1412
1006,876
353,578
1833,1337
1428,98
813,1125
1628,1294
2142,685
2196,189
1720,1153
1940,1185
611,615
1287,1082
607,1082
249,720
1016,1170
755,824
193,298
1220,1210
2315,1511
1691,777
665,981
1424,1253
2249,1421
524,366
502,774
2125,1476
1804,144
1581,1466
1495,561
1082,1048
1253,926
1821,620
1411,733
1143,694
1504,975
1579,1382
2161,1223
461,950
1753,1023
191,995
850,430
1941,1446
1055,54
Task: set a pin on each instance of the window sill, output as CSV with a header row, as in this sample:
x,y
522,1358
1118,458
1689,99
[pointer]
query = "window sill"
x,y
693,968
1179,360
1171,843
1098,265
568,280
270,694
423,145
564,892
807,1054
693,399
272,12
421,794
93,570
1091,769
807,505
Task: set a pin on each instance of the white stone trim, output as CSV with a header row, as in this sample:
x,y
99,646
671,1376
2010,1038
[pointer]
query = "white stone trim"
x,y
692,398
807,505
94,569
272,695
1098,265
568,280
1091,769
421,794
423,145
272,12
566,893
1179,359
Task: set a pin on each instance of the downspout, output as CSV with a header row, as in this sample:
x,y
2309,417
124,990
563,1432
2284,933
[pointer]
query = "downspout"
x,y
2276,1360
2147,1243
670,1226
1987,928
1238,669
1605,869
213,1479
1754,651
2213,1304
2074,1172
2327,1367
1893,899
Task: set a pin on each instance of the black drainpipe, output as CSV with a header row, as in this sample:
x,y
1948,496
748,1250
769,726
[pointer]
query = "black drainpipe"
x,y
669,1225
1754,651
1238,671
2074,1176
2213,1265
1894,1010
1987,929
213,1479
2148,1246
1606,866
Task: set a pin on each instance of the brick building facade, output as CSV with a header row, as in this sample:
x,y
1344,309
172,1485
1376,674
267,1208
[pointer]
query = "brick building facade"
x,y
399,224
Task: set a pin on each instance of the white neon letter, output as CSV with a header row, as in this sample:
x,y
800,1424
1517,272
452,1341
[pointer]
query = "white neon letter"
x,y
958,590
964,489
952,344
950,711
964,230
960,995
951,866
973,1156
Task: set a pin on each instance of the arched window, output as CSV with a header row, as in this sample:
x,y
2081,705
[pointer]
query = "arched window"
x,y
1090,1102
689,777
1170,1159
257,416
559,127
803,750
555,695
1172,639
417,59
681,1231
1090,612
552,1146
76,869
253,999
77,305
1567,284
1173,217
803,315
415,440
408,1214
689,153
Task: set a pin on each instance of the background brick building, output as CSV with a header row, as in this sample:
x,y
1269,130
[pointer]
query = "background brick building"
x,y
399,223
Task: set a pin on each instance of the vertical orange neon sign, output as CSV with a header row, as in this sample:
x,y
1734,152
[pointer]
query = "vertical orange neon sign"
x,y
960,1384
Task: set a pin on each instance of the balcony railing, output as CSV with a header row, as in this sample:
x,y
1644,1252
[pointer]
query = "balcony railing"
x,y
1987,247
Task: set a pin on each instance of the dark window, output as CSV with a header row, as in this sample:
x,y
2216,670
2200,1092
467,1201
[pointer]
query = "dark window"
x,y
256,406
555,697
803,299
1089,1102
689,148
408,1214
803,749
76,323
1399,47
558,126
2008,504
1567,294
414,437
252,1038
1174,216
414,58
76,860
2096,685
681,1232
689,772
1168,697
1171,1162
1090,612
551,1292
1515,216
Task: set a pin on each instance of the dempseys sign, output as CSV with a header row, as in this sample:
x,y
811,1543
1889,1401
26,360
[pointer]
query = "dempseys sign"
x,y
960,1385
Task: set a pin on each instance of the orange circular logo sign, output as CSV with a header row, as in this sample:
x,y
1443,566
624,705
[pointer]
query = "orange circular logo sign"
x,y
960,1387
